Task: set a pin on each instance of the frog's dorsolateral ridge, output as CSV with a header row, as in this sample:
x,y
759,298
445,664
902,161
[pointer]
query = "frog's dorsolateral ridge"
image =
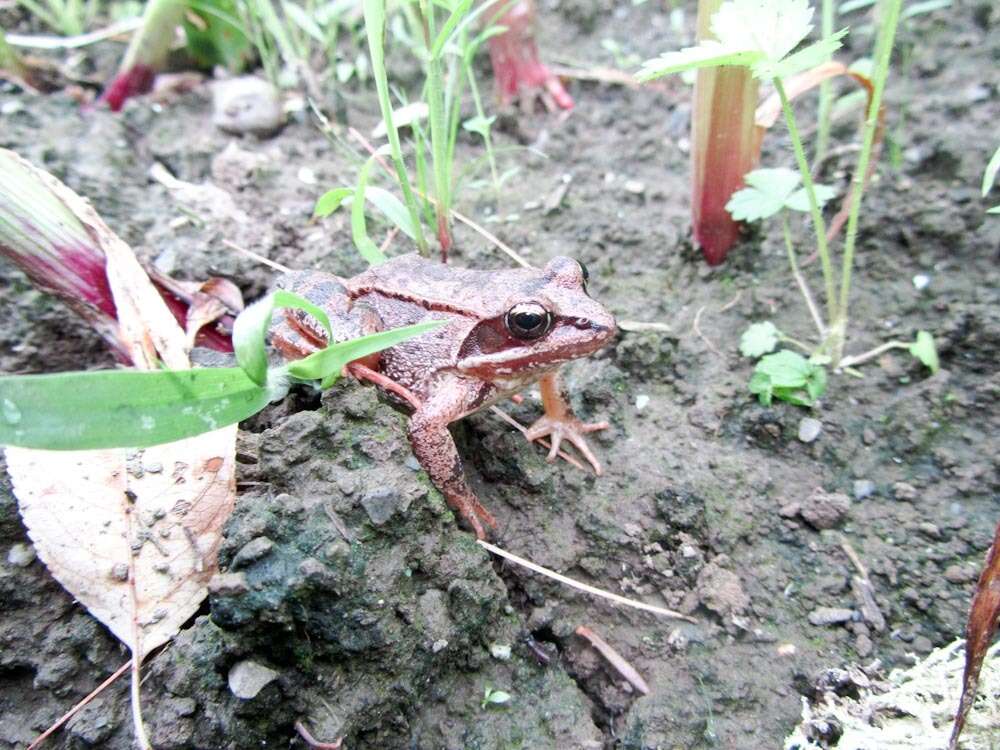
x,y
506,330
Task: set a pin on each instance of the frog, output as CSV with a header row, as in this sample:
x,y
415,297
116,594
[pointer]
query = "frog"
x,y
504,330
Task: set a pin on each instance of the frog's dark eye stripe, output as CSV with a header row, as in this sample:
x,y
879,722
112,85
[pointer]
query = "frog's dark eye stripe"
x,y
528,321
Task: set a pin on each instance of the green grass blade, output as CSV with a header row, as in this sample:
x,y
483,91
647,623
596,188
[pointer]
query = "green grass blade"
x,y
359,231
124,408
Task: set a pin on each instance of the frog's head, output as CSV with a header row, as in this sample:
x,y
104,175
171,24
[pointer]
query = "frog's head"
x,y
548,318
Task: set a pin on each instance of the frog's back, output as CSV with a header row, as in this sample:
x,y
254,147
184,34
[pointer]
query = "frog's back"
x,y
436,286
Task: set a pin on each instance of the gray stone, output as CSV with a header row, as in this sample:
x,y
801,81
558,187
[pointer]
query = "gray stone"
x,y
247,105
21,555
809,429
228,584
831,616
252,551
248,678
720,591
824,510
381,503
863,488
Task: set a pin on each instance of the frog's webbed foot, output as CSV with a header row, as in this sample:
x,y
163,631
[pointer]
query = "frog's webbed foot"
x,y
559,423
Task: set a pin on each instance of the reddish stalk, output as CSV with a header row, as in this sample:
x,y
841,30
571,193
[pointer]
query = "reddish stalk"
x,y
517,69
722,146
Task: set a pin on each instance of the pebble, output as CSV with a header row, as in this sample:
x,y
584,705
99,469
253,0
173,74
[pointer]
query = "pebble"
x,y
904,491
720,590
381,503
809,429
824,510
863,488
248,678
863,646
868,436
641,402
228,584
635,187
21,555
251,552
930,530
831,615
500,651
959,574
247,105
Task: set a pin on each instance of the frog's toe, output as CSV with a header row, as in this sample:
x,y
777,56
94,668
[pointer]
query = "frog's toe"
x,y
569,429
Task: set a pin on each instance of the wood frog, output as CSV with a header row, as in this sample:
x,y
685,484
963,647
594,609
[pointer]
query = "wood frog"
x,y
506,330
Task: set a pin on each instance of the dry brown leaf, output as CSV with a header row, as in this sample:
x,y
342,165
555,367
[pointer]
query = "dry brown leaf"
x,y
94,516
984,617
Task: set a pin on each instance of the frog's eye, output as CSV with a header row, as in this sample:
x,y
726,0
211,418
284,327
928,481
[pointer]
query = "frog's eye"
x,y
528,320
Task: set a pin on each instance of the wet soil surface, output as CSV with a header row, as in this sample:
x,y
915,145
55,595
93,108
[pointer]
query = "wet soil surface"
x,y
344,572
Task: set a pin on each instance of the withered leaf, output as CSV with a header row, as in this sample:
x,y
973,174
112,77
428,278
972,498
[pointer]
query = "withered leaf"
x,y
133,535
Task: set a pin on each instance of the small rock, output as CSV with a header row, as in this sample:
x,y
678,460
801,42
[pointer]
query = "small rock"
x,y
787,649
247,105
21,555
922,644
635,187
641,402
920,281
228,584
251,552
809,429
438,646
248,678
720,590
905,492
868,436
958,574
930,530
789,510
500,651
831,616
381,503
863,646
863,488
824,510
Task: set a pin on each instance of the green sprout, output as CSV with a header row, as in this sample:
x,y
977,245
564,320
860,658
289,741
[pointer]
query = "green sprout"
x,y
492,697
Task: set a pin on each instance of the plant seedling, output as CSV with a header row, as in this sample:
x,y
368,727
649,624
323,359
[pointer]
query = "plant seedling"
x,y
788,376
493,697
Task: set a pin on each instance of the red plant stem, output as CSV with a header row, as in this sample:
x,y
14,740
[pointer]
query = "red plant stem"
x,y
517,69
723,146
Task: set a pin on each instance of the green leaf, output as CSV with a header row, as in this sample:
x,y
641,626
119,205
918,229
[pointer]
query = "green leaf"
x,y
788,376
924,349
708,54
326,364
219,39
990,175
392,208
331,200
799,200
480,125
359,231
759,339
805,59
919,9
461,10
251,326
125,408
765,194
303,20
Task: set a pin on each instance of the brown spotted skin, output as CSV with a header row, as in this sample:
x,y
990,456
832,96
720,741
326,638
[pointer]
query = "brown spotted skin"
x,y
478,358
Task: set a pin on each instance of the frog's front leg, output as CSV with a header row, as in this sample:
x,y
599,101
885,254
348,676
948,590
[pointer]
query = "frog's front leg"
x,y
560,423
435,448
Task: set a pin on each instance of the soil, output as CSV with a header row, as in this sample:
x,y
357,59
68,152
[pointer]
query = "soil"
x,y
383,621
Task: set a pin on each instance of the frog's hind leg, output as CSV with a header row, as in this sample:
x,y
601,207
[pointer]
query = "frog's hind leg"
x,y
559,423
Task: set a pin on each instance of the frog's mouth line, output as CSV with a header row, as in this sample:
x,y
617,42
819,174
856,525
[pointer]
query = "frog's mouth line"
x,y
503,363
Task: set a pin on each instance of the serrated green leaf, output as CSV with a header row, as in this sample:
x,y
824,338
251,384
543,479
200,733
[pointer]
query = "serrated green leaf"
x,y
788,376
805,59
708,54
331,200
924,349
772,27
990,175
799,200
787,369
765,194
759,339
125,408
760,386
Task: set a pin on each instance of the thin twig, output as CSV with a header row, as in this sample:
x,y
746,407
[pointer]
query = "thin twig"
x,y
697,329
800,279
616,660
637,326
858,359
126,26
583,586
853,557
79,706
313,742
732,303
259,258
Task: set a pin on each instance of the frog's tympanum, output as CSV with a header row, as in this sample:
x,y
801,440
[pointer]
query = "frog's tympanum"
x,y
505,331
